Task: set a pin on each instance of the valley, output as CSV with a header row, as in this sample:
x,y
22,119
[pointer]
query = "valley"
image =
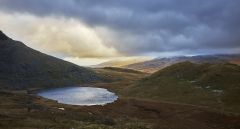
x,y
119,64
184,95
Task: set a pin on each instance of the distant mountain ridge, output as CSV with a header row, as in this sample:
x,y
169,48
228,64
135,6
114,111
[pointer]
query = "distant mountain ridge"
x,y
160,63
23,67
120,62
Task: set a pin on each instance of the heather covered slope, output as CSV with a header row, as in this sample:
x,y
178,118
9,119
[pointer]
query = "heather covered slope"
x,y
214,85
22,67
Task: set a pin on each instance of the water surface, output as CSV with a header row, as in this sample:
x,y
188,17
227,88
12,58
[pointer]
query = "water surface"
x,y
80,95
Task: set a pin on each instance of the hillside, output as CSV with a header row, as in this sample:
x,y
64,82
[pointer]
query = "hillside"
x,y
120,62
22,67
214,85
116,69
160,63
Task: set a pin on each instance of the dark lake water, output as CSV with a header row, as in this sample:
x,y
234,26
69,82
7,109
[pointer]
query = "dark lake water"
x,y
80,95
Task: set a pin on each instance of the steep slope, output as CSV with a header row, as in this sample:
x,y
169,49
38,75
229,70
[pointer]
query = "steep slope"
x,y
160,63
22,67
214,85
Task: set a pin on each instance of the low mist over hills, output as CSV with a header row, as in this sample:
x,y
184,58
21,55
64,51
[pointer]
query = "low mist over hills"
x,y
160,63
215,85
22,67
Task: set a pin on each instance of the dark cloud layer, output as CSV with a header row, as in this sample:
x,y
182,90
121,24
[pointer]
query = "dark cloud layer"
x,y
149,26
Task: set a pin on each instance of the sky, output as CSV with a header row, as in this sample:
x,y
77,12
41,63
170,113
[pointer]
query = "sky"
x,y
88,32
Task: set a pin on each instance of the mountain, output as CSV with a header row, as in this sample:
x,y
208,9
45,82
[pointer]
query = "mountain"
x,y
160,63
116,69
23,67
214,85
120,62
234,59
3,36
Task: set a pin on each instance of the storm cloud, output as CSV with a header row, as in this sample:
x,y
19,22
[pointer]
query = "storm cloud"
x,y
141,27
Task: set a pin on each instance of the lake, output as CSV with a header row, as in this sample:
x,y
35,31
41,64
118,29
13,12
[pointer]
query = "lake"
x,y
80,95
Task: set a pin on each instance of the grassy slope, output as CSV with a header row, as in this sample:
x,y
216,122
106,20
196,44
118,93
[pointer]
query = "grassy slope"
x,y
119,74
121,78
214,85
